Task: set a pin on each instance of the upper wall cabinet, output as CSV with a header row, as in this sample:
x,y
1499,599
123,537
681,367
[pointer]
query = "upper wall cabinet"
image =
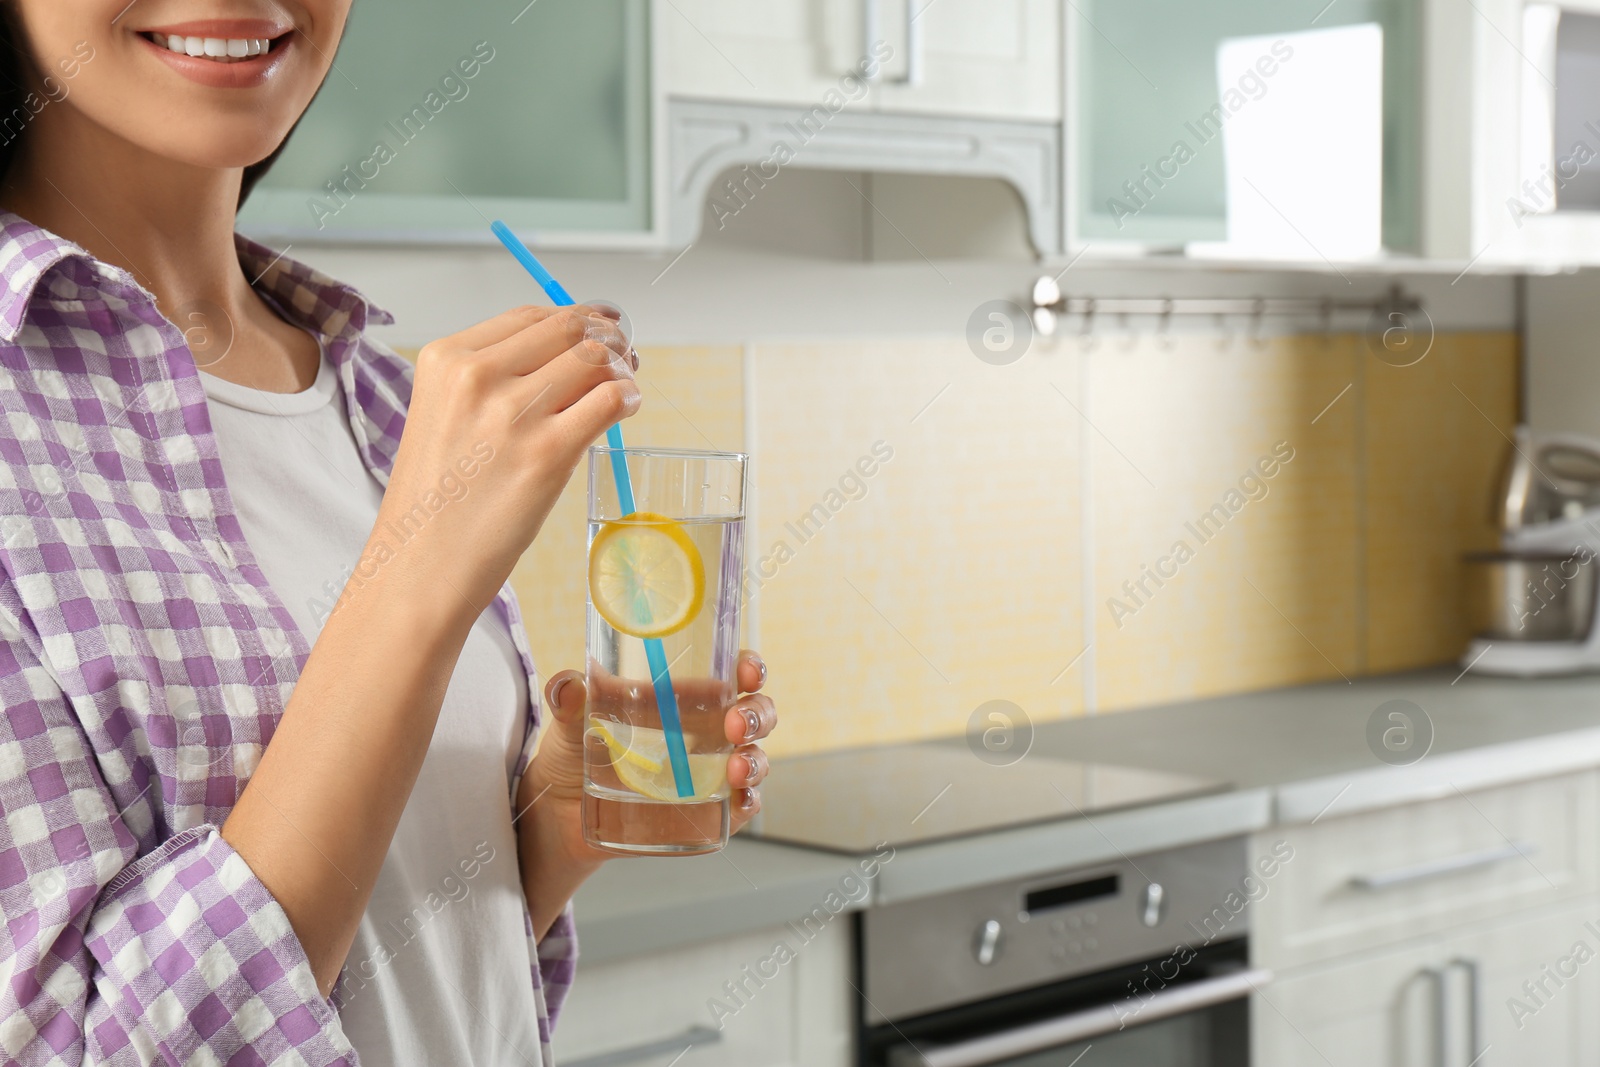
x,y
1151,111
956,87
1513,147
988,58
438,116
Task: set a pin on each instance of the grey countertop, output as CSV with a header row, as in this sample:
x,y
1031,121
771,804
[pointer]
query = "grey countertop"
x,y
1289,754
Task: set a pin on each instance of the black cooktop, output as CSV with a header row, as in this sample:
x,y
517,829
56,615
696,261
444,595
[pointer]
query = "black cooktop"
x,y
854,800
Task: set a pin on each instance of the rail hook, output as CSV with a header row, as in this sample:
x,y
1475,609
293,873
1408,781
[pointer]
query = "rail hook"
x,y
1164,327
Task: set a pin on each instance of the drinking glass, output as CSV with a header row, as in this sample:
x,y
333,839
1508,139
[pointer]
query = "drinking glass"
x,y
665,580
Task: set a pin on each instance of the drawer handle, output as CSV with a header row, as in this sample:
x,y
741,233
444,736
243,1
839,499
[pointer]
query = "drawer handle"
x,y
1467,861
1084,1025
690,1038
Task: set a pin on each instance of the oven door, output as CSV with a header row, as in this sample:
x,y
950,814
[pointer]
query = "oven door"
x,y
1198,1019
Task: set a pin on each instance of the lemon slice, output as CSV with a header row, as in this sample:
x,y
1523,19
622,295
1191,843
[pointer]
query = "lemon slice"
x,y
645,576
639,756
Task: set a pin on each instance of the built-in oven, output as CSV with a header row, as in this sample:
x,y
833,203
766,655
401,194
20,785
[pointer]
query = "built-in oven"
x,y
1144,960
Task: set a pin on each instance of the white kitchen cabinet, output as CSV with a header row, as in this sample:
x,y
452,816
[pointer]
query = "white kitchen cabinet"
x,y
1445,1001
1375,878
1494,142
735,1002
969,88
1403,937
989,58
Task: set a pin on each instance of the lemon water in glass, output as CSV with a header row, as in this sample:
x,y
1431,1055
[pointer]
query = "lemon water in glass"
x,y
668,570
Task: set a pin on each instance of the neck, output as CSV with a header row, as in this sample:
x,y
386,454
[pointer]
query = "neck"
x,y
167,223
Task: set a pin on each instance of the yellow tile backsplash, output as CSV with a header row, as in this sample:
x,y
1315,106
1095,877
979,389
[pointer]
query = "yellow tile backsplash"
x,y
1148,520
954,579
1437,437
1210,461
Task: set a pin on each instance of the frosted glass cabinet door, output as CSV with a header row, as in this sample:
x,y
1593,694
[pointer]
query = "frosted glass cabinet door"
x,y
439,113
1143,72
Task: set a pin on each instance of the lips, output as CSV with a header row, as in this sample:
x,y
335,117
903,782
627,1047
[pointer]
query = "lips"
x,y
221,53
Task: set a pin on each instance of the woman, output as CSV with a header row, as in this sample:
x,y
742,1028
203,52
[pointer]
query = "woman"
x,y
172,597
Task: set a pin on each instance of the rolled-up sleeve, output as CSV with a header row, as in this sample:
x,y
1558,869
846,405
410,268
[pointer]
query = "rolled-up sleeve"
x,y
558,961
179,955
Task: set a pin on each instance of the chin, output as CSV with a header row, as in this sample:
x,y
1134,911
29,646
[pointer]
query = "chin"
x,y
220,153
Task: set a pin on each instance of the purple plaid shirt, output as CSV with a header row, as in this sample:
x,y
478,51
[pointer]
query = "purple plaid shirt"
x,y
144,664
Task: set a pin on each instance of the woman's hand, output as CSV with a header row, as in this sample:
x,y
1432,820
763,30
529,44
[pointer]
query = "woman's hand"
x,y
500,415
550,799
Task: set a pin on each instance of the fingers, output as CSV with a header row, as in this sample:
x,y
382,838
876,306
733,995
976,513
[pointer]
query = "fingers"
x,y
601,408
545,337
492,331
747,766
751,672
564,695
751,719
576,373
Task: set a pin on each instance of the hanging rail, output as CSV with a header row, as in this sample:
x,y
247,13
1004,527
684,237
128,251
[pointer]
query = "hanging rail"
x,y
1050,303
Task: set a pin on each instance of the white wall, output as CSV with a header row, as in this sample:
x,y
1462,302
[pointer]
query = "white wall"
x,y
1562,359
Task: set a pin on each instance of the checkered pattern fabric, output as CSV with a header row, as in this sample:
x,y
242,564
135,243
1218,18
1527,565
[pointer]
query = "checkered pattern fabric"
x,y
144,663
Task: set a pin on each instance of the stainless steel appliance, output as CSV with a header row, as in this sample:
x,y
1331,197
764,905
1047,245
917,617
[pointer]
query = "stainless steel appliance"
x,y
1534,602
1144,959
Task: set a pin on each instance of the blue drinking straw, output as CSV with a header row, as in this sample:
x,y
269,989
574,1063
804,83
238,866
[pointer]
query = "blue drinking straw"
x,y
666,699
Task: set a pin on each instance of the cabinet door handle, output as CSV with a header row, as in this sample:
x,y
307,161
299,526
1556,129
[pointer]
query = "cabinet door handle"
x,y
1441,1030
695,1035
872,15
1435,868
1471,968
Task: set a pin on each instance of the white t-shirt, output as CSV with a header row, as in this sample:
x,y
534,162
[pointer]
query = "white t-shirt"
x,y
440,971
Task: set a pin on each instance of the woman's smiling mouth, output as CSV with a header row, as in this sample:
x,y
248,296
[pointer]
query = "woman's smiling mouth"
x,y
223,49
221,53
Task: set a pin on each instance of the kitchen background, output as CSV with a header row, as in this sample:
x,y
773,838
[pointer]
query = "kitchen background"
x,y
958,497
1034,490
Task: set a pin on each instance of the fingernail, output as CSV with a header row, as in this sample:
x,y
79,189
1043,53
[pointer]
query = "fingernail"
x,y
748,801
555,692
752,723
761,665
633,354
752,764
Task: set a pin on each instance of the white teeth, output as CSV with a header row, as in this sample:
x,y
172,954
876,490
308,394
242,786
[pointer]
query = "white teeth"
x,y
215,47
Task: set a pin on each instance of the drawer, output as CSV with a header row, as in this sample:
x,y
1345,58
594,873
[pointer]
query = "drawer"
x,y
734,1002
1379,877
1396,1007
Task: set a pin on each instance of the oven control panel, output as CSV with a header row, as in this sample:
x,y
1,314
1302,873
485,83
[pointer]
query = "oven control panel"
x,y
957,947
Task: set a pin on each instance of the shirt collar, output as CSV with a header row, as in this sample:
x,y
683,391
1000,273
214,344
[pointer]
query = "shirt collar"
x,y
312,299
306,295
